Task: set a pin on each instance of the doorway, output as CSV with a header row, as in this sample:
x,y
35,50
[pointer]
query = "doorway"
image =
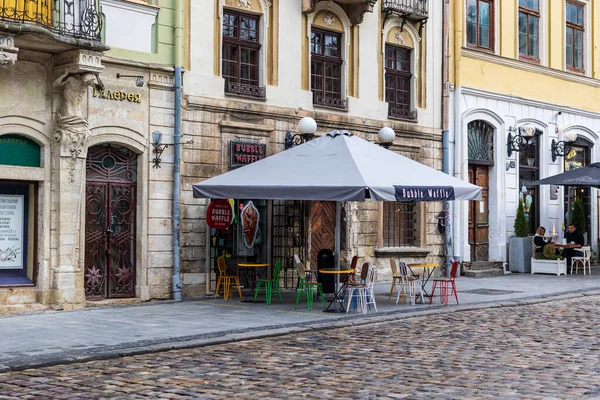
x,y
110,223
322,229
479,222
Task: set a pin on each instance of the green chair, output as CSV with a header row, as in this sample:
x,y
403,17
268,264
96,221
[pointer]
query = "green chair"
x,y
308,288
270,284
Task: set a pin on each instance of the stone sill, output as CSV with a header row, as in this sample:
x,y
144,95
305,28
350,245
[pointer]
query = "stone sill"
x,y
401,251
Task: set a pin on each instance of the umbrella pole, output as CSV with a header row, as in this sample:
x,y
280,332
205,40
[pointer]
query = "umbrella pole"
x,y
338,233
569,205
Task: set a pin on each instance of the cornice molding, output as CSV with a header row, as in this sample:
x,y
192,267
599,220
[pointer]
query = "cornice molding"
x,y
529,67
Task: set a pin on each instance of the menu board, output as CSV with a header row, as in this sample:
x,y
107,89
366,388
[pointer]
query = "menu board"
x,y
11,231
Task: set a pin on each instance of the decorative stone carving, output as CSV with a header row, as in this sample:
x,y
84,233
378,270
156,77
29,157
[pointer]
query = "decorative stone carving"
x,y
79,61
161,81
245,3
8,51
399,37
71,124
329,19
355,9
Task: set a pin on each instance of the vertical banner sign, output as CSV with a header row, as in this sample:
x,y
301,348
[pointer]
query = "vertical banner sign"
x,y
11,231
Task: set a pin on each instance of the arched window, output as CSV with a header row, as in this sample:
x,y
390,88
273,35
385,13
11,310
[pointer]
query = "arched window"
x,y
480,137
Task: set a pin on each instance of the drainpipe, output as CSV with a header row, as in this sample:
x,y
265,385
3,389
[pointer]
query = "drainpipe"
x,y
458,39
177,150
445,127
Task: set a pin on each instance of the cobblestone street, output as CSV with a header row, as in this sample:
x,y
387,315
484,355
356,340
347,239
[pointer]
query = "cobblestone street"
x,y
542,351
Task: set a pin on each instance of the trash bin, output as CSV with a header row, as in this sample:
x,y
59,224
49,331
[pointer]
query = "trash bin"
x,y
326,259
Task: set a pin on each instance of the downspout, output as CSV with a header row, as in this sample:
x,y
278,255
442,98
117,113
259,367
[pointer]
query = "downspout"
x,y
177,150
445,127
458,39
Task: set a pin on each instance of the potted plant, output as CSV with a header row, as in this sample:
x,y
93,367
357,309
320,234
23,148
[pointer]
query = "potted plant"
x,y
549,262
520,245
579,217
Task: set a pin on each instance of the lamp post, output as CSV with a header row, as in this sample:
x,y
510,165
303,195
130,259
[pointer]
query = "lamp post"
x,y
307,128
561,148
158,147
386,137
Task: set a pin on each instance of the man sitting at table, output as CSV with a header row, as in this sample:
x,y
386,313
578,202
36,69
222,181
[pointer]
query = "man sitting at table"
x,y
576,237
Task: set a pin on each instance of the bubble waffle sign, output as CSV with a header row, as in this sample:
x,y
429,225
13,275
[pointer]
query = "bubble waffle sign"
x,y
243,153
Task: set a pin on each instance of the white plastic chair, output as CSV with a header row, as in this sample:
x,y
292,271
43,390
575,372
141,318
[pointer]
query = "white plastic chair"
x,y
363,293
583,260
408,282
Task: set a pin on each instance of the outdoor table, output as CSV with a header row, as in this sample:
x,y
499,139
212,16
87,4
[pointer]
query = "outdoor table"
x,y
427,272
252,277
337,299
567,246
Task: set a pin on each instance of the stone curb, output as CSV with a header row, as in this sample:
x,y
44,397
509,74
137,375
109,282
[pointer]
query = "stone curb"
x,y
238,336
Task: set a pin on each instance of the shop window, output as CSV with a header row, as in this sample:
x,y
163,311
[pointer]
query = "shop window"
x,y
326,69
241,54
574,42
579,155
480,24
529,29
529,171
17,234
398,83
399,223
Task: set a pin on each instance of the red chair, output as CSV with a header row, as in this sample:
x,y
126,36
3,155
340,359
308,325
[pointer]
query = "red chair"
x,y
447,286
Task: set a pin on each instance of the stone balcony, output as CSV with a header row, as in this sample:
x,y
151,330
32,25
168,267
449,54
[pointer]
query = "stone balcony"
x,y
355,9
407,10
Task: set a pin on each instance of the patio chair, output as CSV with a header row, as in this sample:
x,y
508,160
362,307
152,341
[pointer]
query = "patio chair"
x,y
226,280
364,293
353,283
350,278
409,285
447,286
397,277
308,287
270,284
584,260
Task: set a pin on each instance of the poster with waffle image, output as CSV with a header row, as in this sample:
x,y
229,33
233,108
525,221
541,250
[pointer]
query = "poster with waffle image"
x,y
250,218
11,231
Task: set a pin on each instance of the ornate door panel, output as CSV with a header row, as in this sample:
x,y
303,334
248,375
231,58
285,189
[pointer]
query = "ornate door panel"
x,y
479,214
110,223
322,228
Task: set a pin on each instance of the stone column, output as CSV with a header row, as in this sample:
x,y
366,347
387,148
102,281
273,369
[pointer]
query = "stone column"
x,y
71,139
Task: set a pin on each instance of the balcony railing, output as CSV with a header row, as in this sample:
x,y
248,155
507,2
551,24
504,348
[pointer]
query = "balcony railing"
x,y
330,102
245,90
415,9
403,113
80,19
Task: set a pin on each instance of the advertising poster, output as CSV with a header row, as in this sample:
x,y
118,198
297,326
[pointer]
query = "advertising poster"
x,y
11,231
250,218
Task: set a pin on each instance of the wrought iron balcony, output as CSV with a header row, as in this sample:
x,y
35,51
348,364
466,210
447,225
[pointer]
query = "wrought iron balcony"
x,y
245,90
403,113
78,19
415,10
330,102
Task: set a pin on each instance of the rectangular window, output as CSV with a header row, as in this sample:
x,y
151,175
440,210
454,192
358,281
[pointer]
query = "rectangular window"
x,y
397,83
480,24
241,48
399,224
326,69
529,171
529,29
574,40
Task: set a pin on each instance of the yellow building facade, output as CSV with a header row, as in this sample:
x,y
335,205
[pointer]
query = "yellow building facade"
x,y
524,69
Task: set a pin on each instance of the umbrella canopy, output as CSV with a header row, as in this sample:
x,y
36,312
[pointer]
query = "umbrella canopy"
x,y
337,167
586,176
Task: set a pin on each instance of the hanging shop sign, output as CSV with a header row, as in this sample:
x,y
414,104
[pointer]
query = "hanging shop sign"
x,y
412,193
219,214
250,218
243,153
11,231
117,95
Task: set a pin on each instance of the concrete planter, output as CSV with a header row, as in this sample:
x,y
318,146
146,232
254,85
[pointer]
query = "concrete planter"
x,y
519,254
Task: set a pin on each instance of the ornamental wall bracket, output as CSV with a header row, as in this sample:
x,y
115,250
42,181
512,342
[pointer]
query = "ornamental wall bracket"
x,y
8,51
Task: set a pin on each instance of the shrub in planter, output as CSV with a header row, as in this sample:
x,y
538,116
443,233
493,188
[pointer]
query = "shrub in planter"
x,y
519,245
520,226
549,253
578,216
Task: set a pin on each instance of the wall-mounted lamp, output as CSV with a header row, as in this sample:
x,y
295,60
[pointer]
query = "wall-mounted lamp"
x,y
386,137
139,81
561,148
158,147
520,140
307,127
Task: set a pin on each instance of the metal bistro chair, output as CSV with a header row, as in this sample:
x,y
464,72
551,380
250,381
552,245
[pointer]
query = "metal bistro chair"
x,y
270,284
447,286
308,287
226,280
409,285
584,260
364,293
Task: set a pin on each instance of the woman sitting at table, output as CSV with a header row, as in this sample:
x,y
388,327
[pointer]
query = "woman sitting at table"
x,y
539,240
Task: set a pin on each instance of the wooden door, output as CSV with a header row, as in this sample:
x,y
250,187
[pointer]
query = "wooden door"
x,y
322,228
479,214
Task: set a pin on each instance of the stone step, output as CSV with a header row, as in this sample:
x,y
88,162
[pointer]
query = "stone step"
x,y
481,265
484,273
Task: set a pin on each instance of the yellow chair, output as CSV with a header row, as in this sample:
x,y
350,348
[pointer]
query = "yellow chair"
x,y
226,280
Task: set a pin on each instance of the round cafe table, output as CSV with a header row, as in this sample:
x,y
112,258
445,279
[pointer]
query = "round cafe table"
x,y
253,277
427,272
337,299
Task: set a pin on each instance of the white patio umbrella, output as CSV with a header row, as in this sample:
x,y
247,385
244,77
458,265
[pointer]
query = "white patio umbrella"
x,y
337,167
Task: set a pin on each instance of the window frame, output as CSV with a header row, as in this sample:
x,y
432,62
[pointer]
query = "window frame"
x,y
536,169
492,27
253,87
399,239
530,13
337,101
575,27
398,74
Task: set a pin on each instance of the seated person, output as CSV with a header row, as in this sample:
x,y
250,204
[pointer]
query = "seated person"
x,y
576,237
539,240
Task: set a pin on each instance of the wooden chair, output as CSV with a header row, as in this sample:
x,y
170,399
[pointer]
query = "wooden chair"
x,y
226,280
270,284
350,278
447,286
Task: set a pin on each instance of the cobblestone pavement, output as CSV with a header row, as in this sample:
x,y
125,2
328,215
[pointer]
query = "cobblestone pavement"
x,y
542,351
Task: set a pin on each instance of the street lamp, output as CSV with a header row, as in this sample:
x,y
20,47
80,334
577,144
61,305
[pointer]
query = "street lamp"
x,y
520,140
386,137
307,127
561,148
158,147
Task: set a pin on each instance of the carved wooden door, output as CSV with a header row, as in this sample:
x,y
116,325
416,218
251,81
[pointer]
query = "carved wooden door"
x,y
479,214
322,229
110,223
